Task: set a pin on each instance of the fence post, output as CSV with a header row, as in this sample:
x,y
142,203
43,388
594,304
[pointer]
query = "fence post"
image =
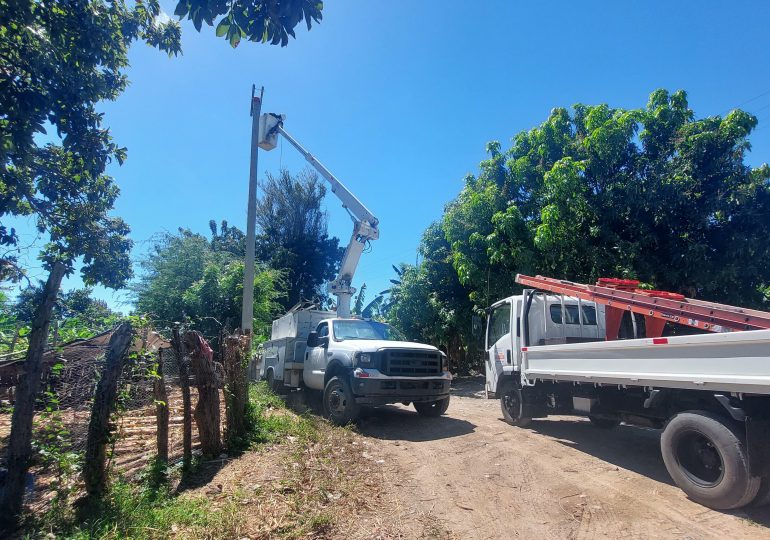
x,y
184,382
20,441
95,464
236,387
161,411
207,416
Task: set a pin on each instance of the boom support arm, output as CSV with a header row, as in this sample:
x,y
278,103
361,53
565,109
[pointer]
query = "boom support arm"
x,y
365,228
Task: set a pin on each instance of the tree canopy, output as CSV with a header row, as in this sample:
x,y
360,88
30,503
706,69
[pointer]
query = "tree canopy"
x,y
653,194
58,61
189,278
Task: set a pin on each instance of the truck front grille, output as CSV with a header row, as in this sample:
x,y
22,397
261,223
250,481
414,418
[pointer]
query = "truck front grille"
x,y
411,363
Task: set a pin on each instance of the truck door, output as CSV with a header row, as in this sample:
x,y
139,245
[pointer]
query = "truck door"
x,y
315,362
499,344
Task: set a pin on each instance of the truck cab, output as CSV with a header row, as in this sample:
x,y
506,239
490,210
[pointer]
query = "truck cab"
x,y
553,319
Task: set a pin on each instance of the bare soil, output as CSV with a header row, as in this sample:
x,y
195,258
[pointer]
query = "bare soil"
x,y
471,475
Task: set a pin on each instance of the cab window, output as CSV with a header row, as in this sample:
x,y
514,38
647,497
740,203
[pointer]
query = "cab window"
x,y
499,323
572,314
589,315
323,330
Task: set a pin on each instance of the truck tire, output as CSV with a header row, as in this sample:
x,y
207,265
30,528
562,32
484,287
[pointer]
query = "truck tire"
x,y
432,408
512,405
274,385
339,402
706,457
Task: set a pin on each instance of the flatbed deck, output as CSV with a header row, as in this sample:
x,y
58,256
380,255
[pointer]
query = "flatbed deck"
x,y
729,362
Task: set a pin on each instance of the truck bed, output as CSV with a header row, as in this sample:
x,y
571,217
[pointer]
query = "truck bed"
x,y
729,362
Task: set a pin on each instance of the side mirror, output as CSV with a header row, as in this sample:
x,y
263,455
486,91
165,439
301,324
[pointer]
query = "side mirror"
x,y
312,339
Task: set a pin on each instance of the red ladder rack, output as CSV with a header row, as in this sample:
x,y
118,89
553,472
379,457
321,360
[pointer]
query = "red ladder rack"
x,y
657,307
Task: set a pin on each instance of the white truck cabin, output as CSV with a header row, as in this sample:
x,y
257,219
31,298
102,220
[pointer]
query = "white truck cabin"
x,y
553,319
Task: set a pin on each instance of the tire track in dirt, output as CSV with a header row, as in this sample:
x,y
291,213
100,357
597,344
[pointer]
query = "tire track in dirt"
x,y
560,478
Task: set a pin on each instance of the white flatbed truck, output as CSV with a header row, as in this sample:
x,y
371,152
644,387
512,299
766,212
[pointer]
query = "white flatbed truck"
x,y
554,349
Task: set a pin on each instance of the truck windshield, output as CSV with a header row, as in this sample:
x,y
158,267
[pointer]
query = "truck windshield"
x,y
365,330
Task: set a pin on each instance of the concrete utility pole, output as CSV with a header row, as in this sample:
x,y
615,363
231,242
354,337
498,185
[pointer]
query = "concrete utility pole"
x,y
247,311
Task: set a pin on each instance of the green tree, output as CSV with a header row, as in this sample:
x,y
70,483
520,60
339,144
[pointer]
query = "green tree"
x,y
58,61
653,193
77,314
293,236
187,278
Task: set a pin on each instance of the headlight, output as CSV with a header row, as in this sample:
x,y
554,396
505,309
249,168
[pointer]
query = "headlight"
x,y
365,358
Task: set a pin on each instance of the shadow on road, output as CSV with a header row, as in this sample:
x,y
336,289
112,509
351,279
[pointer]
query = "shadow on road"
x,y
397,424
634,448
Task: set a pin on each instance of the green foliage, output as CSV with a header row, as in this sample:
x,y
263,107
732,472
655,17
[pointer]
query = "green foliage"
x,y
293,236
64,59
51,441
144,512
429,304
270,421
76,314
265,21
652,194
189,278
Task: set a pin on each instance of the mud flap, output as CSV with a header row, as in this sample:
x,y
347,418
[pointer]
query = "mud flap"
x,y
758,445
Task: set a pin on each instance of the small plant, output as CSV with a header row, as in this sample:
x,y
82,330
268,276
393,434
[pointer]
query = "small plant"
x,y
51,441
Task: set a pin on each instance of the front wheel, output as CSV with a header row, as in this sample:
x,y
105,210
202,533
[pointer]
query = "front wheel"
x,y
339,402
432,408
706,457
512,405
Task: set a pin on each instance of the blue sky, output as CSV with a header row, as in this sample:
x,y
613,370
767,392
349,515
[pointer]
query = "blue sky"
x,y
398,100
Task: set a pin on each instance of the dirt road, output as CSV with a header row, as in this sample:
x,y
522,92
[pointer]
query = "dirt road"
x,y
562,477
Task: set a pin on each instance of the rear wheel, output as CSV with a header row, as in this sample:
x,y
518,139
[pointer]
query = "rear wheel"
x,y
339,402
271,382
706,457
512,405
432,408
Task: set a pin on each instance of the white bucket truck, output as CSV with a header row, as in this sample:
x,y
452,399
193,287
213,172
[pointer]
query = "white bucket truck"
x,y
353,362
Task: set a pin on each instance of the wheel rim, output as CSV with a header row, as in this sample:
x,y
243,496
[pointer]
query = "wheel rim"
x,y
699,459
512,403
336,401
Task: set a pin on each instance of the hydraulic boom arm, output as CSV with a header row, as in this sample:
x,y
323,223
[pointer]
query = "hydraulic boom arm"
x,y
365,226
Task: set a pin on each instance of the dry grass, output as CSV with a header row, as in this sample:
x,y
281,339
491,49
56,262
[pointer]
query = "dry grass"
x,y
315,480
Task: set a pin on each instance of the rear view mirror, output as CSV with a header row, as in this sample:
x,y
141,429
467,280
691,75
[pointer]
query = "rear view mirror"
x,y
312,339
